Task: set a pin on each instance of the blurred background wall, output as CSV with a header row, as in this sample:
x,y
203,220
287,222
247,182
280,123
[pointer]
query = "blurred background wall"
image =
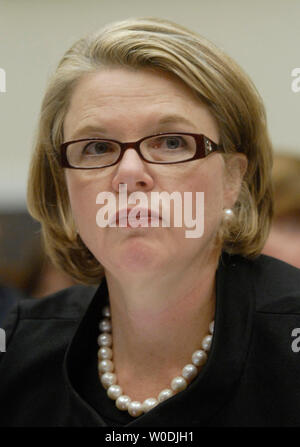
x,y
262,35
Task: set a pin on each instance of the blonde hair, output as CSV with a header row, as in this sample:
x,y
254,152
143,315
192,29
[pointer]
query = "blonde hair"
x,y
217,80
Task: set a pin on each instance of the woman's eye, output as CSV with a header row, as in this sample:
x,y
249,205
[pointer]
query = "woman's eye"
x,y
174,142
171,142
96,148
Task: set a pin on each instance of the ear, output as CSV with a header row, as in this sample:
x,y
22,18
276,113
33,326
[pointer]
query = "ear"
x,y
235,169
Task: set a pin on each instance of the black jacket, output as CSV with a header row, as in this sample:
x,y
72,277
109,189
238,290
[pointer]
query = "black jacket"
x,y
48,376
8,298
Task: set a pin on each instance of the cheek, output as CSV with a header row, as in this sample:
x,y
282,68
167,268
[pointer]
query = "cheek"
x,y
210,183
82,195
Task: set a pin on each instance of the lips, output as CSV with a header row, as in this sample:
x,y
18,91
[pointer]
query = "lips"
x,y
140,214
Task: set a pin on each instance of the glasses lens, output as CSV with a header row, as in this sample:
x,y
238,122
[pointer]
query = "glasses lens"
x,y
92,153
168,148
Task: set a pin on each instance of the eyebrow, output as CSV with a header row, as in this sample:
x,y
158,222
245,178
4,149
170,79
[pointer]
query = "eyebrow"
x,y
175,119
168,119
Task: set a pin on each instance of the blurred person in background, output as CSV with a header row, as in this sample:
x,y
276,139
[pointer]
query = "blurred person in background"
x,y
24,264
25,269
42,277
284,238
9,295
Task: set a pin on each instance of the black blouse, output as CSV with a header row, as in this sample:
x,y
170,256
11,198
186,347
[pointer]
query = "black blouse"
x,y
48,374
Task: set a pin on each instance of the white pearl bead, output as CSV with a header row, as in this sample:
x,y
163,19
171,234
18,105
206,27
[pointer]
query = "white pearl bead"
x,y
105,340
122,402
199,357
165,394
114,391
189,372
105,325
206,342
135,408
104,353
105,366
106,311
108,379
149,403
178,384
211,327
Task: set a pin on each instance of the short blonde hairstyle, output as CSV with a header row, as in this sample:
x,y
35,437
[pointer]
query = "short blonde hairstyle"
x,y
219,83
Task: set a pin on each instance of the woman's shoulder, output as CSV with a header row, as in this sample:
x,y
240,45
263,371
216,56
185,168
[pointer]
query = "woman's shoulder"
x,y
273,285
66,304
38,331
8,299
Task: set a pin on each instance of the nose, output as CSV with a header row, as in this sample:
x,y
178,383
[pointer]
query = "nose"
x,y
133,171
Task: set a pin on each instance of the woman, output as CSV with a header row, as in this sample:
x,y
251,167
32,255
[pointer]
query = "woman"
x,y
182,331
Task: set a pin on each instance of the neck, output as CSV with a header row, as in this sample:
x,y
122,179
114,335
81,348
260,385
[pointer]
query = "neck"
x,y
157,326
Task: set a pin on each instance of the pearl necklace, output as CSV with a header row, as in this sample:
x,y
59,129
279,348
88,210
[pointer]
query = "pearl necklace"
x,y
109,379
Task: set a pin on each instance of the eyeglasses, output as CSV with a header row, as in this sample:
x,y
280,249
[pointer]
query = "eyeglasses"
x,y
163,148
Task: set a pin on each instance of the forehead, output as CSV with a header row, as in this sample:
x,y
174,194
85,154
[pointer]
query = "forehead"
x,y
108,83
118,98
